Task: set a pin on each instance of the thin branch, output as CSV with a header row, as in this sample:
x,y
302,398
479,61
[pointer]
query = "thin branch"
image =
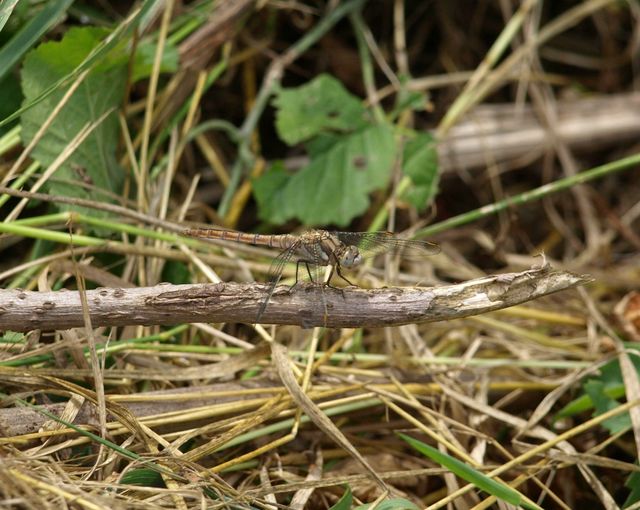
x,y
306,305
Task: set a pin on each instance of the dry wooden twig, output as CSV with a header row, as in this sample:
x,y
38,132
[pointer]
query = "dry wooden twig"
x,y
503,133
307,305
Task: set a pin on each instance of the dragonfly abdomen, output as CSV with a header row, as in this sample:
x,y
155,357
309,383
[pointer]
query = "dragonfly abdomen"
x,y
272,241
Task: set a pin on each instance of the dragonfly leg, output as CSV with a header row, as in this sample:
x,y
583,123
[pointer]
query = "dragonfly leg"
x,y
306,264
336,268
342,276
309,271
297,269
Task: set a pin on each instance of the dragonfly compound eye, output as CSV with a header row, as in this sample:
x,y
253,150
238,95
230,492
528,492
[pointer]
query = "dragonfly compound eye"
x,y
351,257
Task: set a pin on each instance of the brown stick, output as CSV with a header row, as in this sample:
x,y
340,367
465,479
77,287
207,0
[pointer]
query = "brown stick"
x,y
502,133
231,302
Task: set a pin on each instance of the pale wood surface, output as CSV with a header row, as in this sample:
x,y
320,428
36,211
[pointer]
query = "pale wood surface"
x,y
507,133
307,305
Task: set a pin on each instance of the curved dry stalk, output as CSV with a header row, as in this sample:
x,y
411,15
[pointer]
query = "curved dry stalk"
x,y
306,305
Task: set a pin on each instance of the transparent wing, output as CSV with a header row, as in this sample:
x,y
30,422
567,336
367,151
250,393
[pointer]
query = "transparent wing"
x,y
373,243
275,274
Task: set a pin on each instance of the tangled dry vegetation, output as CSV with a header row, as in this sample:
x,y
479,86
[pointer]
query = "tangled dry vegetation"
x,y
500,130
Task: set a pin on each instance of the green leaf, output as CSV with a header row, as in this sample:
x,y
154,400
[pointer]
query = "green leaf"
x,y
611,377
12,337
268,191
94,161
415,100
176,272
145,55
460,469
334,188
344,503
584,403
420,163
323,104
322,143
603,403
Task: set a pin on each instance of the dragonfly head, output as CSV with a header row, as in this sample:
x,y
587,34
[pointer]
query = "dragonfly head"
x,y
351,257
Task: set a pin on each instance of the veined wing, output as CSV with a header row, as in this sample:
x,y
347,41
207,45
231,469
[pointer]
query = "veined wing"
x,y
275,274
373,243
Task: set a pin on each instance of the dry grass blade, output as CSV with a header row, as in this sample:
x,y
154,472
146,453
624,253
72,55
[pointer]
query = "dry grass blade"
x,y
301,498
283,367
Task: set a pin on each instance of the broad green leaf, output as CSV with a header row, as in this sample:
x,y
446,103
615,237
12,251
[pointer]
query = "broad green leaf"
x,y
420,163
176,272
268,191
334,188
603,403
611,377
323,104
584,403
473,476
320,144
414,100
408,99
94,161
143,60
11,337
145,55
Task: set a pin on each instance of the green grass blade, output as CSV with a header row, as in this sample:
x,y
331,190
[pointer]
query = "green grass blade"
x,y
531,196
31,32
6,8
391,504
467,473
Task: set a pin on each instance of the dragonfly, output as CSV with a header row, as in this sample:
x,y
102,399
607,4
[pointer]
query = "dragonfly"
x,y
318,248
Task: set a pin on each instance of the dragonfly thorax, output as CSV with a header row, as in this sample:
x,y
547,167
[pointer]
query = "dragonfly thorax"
x,y
350,257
